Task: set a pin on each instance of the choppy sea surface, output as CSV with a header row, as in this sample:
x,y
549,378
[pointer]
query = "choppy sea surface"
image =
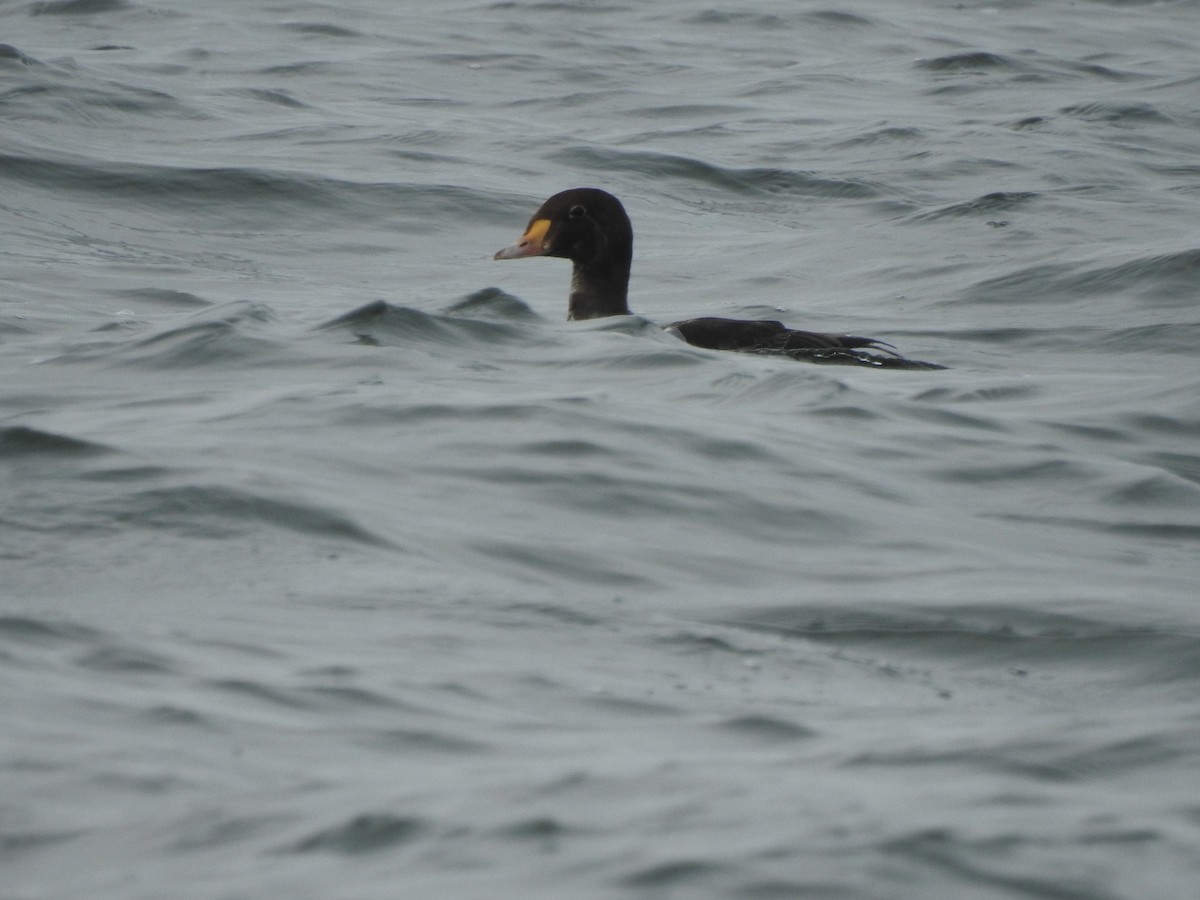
x,y
334,563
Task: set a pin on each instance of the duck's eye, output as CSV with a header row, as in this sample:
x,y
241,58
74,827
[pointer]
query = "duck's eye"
x,y
577,211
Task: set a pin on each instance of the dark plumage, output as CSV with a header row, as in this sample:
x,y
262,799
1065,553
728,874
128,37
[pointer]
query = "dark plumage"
x,y
590,227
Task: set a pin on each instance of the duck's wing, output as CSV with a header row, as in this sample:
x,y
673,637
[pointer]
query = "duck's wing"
x,y
765,335
769,336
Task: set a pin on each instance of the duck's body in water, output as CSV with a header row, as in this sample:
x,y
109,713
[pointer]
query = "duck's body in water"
x,y
590,227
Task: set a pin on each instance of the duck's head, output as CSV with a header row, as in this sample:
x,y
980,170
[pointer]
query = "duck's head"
x,y
589,227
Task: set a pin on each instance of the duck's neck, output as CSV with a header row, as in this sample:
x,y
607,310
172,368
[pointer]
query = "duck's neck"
x,y
599,290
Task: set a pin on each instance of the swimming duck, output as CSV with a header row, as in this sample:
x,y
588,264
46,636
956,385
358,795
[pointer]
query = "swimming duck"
x,y
591,228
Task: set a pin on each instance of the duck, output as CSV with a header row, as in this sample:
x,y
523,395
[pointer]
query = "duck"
x,y
590,227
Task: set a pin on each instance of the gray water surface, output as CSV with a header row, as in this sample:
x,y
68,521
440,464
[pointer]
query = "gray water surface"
x,y
336,564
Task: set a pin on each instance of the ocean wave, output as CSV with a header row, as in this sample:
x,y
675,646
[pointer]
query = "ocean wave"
x,y
1133,114
972,61
757,181
18,441
212,336
1015,638
10,54
362,833
236,196
217,511
988,204
1160,279
78,7
383,324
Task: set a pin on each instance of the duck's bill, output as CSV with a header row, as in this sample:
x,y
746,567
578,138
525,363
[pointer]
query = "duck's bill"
x,y
531,243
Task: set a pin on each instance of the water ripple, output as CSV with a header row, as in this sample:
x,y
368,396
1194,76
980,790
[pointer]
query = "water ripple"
x,y
1165,279
746,181
364,833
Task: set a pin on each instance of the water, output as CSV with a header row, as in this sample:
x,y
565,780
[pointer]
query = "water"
x,y
336,564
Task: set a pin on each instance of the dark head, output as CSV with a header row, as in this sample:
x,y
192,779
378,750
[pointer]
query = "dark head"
x,y
589,227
